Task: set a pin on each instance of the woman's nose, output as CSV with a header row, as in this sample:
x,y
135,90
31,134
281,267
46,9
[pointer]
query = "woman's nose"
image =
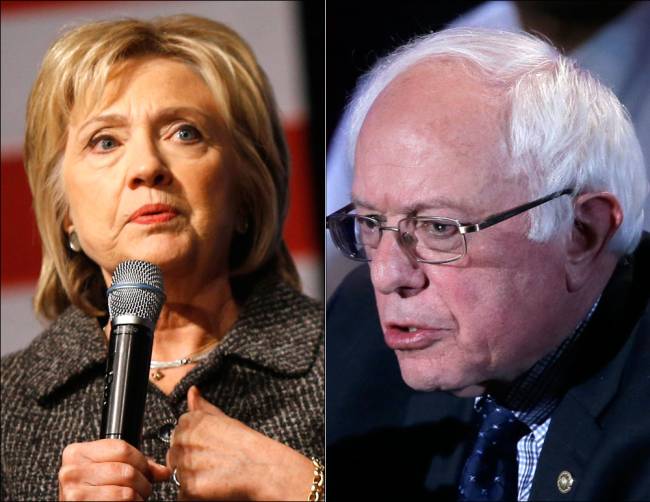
x,y
393,270
147,165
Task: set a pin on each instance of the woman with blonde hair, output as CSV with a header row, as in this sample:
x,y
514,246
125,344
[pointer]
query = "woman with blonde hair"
x,y
160,141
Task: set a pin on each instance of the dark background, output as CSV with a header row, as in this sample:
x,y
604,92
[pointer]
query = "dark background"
x,y
358,33
313,24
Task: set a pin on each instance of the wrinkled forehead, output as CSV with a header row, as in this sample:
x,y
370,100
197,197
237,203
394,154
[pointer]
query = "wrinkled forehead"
x,y
111,83
439,130
438,105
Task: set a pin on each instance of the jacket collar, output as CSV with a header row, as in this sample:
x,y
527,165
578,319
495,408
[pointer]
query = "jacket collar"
x,y
602,355
278,329
596,377
73,345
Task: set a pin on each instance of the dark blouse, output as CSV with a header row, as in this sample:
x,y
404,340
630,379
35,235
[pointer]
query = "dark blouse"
x,y
267,373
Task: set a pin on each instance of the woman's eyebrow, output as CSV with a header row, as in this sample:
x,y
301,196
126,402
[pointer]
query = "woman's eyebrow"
x,y
111,118
160,115
176,111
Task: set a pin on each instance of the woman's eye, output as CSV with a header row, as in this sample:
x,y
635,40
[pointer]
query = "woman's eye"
x,y
188,133
103,143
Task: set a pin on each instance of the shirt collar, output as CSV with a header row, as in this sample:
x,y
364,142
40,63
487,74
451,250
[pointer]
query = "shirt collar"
x,y
533,396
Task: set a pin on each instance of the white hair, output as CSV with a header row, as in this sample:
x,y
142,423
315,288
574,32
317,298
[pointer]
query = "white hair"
x,y
566,129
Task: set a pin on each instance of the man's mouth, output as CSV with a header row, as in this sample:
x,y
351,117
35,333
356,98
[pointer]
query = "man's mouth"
x,y
411,337
406,329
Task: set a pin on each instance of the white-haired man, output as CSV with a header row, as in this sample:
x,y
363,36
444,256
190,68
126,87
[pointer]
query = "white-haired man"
x,y
498,197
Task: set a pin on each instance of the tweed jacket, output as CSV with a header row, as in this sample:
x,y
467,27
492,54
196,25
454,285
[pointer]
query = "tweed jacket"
x,y
267,373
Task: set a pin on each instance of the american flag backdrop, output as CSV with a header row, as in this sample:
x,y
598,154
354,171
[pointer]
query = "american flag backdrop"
x,y
273,29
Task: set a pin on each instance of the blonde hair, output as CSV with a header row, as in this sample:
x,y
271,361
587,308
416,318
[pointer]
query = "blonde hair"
x,y
78,66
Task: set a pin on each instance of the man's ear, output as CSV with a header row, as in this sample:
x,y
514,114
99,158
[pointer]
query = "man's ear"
x,y
597,216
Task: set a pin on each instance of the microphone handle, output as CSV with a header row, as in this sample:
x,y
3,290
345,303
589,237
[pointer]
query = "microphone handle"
x,y
125,382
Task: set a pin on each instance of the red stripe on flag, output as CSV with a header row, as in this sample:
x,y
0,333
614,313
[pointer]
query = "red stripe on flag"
x,y
300,227
21,245
14,7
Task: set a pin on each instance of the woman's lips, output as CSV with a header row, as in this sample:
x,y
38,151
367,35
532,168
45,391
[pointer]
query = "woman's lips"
x,y
411,337
153,213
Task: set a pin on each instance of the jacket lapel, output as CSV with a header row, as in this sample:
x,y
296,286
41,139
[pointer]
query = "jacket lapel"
x,y
600,356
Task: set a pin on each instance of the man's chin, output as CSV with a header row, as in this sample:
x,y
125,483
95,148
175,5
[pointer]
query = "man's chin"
x,y
470,391
430,383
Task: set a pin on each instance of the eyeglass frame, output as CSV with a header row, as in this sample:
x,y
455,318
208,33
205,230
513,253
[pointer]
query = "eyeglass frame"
x,y
463,228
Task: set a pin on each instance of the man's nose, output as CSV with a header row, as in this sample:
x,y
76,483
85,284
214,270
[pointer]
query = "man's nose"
x,y
147,165
393,270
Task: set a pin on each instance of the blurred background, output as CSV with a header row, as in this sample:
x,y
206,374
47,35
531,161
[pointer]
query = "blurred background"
x,y
610,39
288,39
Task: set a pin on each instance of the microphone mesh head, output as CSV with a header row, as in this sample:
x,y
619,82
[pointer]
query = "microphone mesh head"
x,y
137,289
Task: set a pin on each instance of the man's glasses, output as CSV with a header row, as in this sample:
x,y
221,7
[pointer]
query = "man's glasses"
x,y
428,239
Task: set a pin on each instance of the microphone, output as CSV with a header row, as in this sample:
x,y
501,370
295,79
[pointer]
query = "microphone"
x,y
135,299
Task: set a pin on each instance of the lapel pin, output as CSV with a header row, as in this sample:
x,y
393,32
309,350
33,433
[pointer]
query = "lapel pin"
x,y
565,482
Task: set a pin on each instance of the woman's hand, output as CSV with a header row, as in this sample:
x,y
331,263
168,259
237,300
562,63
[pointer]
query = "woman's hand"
x,y
107,469
219,458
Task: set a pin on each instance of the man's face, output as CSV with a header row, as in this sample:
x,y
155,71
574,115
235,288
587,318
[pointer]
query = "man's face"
x,y
433,145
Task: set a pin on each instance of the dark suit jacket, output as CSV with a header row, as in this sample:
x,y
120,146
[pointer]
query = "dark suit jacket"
x,y
385,440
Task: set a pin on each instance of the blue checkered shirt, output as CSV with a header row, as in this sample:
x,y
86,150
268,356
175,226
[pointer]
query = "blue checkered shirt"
x,y
532,398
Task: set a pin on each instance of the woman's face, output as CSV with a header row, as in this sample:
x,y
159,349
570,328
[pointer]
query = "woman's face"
x,y
148,172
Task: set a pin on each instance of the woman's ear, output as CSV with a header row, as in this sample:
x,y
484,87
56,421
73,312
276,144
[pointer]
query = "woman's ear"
x,y
73,238
597,217
68,226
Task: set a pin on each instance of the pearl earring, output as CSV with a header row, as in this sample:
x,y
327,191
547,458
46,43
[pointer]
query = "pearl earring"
x,y
73,242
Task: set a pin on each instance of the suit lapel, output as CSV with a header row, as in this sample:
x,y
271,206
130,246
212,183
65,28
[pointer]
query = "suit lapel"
x,y
575,431
571,438
600,357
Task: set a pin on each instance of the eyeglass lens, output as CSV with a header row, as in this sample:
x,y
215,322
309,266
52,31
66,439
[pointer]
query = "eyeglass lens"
x,y
427,239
